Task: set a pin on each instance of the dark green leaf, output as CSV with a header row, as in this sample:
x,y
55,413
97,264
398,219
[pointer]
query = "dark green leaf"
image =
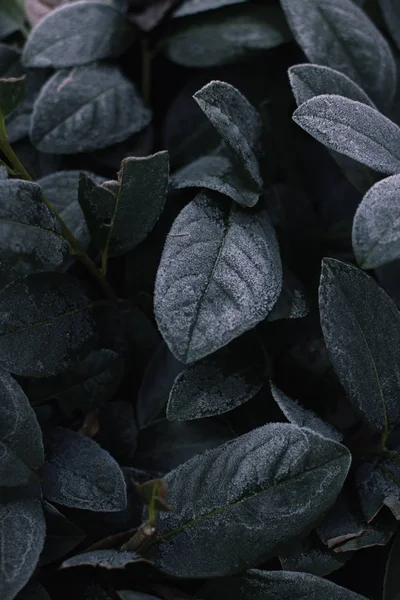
x,y
377,486
220,274
21,446
86,108
244,499
341,36
11,93
391,589
80,474
310,556
106,559
45,324
22,533
192,7
62,536
18,122
354,129
10,64
361,327
77,34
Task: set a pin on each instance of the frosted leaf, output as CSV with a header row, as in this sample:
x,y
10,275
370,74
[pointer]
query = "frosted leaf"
x,y
309,556
18,122
276,585
222,37
30,237
361,327
45,324
308,81
215,386
354,129
77,34
220,274
237,122
292,302
376,225
340,524
106,559
21,447
341,36
238,503
191,7
298,415
377,489
80,474
22,533
376,534
217,173
3,173
391,582
86,108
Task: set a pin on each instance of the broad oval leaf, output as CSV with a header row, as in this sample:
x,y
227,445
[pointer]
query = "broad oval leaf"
x,y
77,34
80,474
22,533
361,327
30,237
276,585
220,274
45,324
21,446
341,36
237,122
376,225
236,504
225,36
192,7
391,582
86,108
308,81
354,129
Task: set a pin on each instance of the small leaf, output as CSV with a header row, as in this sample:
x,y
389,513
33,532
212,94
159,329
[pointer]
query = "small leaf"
x,y
245,498
21,446
193,7
341,36
45,324
225,36
86,108
106,559
11,93
30,236
236,121
80,474
308,81
361,327
354,129
220,274
391,582
275,585
341,523
153,494
22,533
77,34
376,225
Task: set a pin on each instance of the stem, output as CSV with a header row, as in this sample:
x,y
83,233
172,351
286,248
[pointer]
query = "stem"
x,y
76,247
146,71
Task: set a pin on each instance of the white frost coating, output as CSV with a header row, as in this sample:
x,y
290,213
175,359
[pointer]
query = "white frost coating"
x,y
354,129
22,533
220,274
238,502
305,556
341,36
361,327
191,7
285,585
376,225
237,122
86,108
308,81
302,417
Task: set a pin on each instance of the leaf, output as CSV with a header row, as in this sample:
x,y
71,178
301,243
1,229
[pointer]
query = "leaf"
x,y
62,535
192,7
376,232
298,415
341,36
106,559
86,108
245,498
354,129
10,65
22,532
77,34
341,523
150,13
11,94
227,36
220,274
215,385
45,324
131,595
120,222
275,585
292,302
33,591
237,122
30,236
7,25
361,327
80,474
308,81
377,487
310,556
391,14
391,582
21,446
18,122
118,430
